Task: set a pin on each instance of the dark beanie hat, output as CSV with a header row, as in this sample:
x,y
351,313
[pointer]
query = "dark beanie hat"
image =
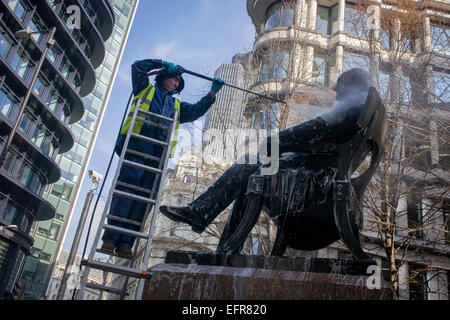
x,y
163,74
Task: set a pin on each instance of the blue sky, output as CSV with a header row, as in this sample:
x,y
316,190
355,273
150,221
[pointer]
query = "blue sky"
x,y
199,35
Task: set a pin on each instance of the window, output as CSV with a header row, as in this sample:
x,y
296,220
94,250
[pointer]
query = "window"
x,y
383,84
319,69
114,48
21,63
407,41
53,100
76,81
85,138
39,136
74,172
105,75
7,101
38,26
100,90
355,21
443,134
63,189
418,144
40,85
446,215
193,171
6,43
440,39
274,66
65,67
385,39
54,230
355,60
19,8
418,284
88,121
441,87
415,213
53,52
11,162
14,216
26,122
325,18
405,90
279,16
25,174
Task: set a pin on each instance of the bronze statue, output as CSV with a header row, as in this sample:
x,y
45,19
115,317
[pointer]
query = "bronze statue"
x,y
312,197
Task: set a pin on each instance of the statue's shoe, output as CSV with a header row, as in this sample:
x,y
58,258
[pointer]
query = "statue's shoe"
x,y
185,215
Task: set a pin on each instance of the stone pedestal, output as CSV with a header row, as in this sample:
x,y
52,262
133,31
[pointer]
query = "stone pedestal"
x,y
209,276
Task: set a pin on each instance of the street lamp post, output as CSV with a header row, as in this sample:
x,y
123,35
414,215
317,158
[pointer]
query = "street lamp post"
x,y
96,177
21,34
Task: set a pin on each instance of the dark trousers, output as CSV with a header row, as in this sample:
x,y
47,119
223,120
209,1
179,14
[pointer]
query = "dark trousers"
x,y
127,208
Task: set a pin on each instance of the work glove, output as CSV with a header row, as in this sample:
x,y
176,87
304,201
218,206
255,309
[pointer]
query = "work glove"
x,y
217,85
171,68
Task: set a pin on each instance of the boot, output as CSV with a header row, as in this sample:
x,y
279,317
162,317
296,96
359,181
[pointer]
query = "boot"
x,y
108,247
124,252
186,215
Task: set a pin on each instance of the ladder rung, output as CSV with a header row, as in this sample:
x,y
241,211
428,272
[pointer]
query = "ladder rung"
x,y
133,196
141,166
132,186
105,288
150,140
143,155
151,123
148,113
126,231
111,254
116,218
126,271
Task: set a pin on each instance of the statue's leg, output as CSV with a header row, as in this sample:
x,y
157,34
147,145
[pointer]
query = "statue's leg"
x,y
280,244
234,218
241,221
345,227
203,210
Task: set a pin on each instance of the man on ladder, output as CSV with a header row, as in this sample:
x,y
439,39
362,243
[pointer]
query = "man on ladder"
x,y
156,99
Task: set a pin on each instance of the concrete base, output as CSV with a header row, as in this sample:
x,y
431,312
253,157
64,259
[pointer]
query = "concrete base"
x,y
200,276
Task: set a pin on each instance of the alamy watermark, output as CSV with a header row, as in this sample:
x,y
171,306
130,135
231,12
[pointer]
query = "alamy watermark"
x,y
241,146
74,19
373,19
374,280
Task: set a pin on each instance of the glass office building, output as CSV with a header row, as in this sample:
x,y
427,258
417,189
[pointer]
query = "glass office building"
x,y
49,235
44,130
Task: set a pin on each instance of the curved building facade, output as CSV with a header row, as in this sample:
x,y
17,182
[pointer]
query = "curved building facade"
x,y
300,49
55,104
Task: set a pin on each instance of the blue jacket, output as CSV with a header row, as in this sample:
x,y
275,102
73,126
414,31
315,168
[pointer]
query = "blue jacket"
x,y
189,112
163,103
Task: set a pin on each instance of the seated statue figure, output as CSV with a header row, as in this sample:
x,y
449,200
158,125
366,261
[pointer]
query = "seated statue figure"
x,y
313,197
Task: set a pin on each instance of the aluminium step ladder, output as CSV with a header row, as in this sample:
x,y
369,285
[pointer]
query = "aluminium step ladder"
x,y
136,266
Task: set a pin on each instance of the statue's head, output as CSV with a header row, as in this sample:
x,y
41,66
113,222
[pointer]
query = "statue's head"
x,y
350,82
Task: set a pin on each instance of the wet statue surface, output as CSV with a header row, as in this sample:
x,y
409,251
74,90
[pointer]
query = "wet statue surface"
x,y
312,197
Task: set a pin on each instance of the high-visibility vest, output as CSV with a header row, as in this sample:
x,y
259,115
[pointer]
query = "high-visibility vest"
x,y
147,96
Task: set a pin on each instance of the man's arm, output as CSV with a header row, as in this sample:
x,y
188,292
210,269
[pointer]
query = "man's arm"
x,y
191,112
139,69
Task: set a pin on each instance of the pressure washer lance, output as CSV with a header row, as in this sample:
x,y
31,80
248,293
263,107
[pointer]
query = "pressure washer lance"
x,y
195,74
